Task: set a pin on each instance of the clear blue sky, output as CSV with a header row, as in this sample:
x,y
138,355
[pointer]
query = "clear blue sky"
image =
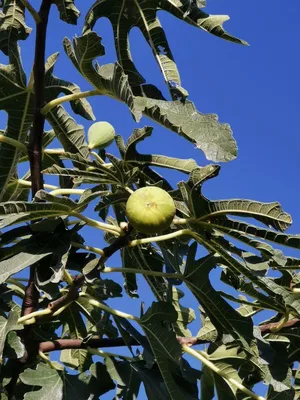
x,y
255,89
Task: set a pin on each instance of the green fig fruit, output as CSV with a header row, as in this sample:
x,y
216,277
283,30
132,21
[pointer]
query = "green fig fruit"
x,y
150,210
100,135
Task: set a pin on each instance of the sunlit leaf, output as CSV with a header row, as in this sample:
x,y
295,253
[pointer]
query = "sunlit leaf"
x,y
125,15
6,325
132,155
167,349
109,78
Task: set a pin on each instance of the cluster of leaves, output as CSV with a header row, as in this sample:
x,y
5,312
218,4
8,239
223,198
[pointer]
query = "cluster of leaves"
x,y
241,353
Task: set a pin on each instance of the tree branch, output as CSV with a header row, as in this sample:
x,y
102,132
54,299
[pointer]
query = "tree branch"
x,y
35,143
62,344
32,11
119,243
71,296
31,298
268,328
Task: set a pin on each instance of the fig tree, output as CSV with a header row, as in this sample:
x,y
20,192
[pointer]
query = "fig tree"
x,y
150,210
100,135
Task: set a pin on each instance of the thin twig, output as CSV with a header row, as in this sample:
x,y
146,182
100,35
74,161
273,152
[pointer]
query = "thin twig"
x,y
62,344
119,243
69,97
201,356
32,11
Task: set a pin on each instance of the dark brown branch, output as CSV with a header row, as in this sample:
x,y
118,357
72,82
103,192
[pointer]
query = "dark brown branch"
x,y
30,303
119,243
31,298
267,328
35,142
72,294
62,344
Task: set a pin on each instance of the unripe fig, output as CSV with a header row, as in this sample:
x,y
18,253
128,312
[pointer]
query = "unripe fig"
x,y
100,135
150,210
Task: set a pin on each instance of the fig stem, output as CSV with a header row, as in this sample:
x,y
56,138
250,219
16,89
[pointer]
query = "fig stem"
x,y
281,323
88,248
98,158
47,360
128,189
28,183
201,356
69,97
99,225
161,238
14,143
35,15
54,151
110,310
57,192
34,314
143,272
101,353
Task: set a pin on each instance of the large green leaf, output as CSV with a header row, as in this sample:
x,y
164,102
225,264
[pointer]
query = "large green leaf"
x,y
185,316
103,289
17,100
204,130
16,191
45,205
153,382
29,251
69,133
12,25
237,267
225,318
228,361
104,176
88,385
54,86
127,378
57,385
242,285
109,79
167,350
145,258
15,347
236,228
127,14
290,299
6,325
45,377
132,155
207,384
213,138
14,234
110,199
270,214
75,328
